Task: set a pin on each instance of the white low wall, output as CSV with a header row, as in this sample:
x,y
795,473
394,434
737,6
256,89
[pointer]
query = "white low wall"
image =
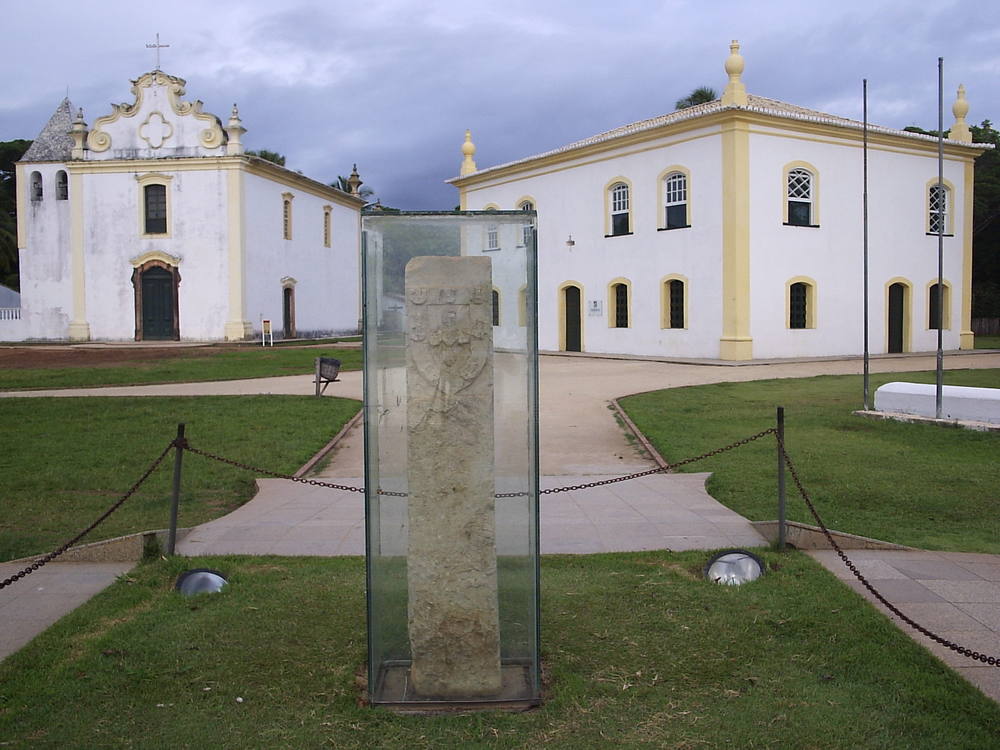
x,y
957,402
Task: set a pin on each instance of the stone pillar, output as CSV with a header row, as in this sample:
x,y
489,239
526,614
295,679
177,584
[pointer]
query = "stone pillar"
x,y
454,625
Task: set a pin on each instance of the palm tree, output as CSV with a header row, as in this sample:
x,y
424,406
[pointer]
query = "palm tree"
x,y
344,184
701,95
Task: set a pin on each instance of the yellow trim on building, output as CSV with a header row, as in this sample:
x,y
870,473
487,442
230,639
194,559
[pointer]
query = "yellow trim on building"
x,y
613,302
619,180
813,190
736,342
811,296
160,255
79,328
967,339
665,301
237,326
949,208
154,178
907,312
661,221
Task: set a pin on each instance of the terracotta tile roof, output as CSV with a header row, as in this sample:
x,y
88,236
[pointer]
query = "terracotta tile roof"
x,y
758,104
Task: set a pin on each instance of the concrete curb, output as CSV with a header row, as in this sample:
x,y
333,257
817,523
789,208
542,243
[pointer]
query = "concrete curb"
x,y
128,548
804,536
899,416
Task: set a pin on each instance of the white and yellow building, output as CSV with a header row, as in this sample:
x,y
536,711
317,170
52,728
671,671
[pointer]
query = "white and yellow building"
x,y
734,230
155,224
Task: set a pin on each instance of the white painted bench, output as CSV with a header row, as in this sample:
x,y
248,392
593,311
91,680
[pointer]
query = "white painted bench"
x,y
957,402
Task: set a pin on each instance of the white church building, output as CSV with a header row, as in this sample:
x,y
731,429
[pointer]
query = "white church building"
x,y
155,224
734,230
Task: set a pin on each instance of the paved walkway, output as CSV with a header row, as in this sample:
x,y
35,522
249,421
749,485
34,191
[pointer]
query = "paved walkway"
x,y
959,594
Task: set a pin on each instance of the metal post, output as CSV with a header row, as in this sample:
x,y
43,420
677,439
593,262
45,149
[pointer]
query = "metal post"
x,y
175,500
942,209
781,478
864,219
318,393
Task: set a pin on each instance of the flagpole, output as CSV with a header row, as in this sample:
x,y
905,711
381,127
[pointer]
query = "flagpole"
x,y
942,213
864,151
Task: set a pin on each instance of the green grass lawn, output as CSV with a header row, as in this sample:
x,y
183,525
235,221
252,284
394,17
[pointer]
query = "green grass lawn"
x,y
637,649
920,485
228,363
65,460
988,342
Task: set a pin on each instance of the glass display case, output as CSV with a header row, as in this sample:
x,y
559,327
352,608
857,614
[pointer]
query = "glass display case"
x,y
451,458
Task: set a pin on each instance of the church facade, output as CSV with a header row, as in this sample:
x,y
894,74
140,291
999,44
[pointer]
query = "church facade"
x,y
155,224
734,230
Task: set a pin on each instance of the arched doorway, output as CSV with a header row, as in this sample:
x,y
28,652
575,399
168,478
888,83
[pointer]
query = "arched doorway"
x,y
156,309
572,319
896,318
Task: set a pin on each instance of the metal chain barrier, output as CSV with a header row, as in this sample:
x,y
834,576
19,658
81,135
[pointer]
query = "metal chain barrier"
x,y
991,660
54,554
319,483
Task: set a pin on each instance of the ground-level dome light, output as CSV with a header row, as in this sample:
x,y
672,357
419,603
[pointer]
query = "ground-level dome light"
x,y
200,581
733,567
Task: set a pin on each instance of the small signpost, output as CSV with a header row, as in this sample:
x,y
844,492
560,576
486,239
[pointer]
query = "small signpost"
x,y
266,333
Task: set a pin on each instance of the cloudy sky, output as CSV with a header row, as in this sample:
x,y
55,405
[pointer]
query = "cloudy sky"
x,y
393,84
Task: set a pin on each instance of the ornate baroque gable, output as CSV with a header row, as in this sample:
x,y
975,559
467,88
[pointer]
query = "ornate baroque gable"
x,y
158,124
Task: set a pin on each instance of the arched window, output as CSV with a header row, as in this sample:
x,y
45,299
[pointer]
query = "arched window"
x,y
286,215
496,307
800,197
36,186
492,237
675,200
801,305
937,205
938,304
155,209
619,305
620,216
674,304
62,186
326,225
527,205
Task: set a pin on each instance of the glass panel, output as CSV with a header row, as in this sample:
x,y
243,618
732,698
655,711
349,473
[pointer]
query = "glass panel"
x,y
676,304
414,333
619,224
798,213
156,209
677,216
621,306
797,306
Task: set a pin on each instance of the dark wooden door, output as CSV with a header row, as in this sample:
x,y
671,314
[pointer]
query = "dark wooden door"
x,y
897,299
288,312
571,296
157,304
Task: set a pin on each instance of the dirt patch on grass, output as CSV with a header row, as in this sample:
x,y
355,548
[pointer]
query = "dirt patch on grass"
x,y
40,357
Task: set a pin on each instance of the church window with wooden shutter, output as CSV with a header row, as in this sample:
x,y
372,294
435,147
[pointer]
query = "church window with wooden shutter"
x,y
801,303
801,192
155,209
619,303
62,186
36,186
939,205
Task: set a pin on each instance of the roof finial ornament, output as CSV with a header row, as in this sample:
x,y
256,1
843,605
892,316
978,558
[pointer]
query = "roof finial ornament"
x,y
735,93
78,133
235,131
354,181
468,151
157,47
960,130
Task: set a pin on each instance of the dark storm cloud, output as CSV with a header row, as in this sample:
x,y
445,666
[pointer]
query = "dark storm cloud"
x,y
392,86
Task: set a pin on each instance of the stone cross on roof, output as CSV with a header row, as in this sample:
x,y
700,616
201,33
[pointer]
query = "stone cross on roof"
x,y
157,47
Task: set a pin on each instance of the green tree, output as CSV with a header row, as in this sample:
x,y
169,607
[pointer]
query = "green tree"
x,y
10,152
272,156
701,95
342,183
